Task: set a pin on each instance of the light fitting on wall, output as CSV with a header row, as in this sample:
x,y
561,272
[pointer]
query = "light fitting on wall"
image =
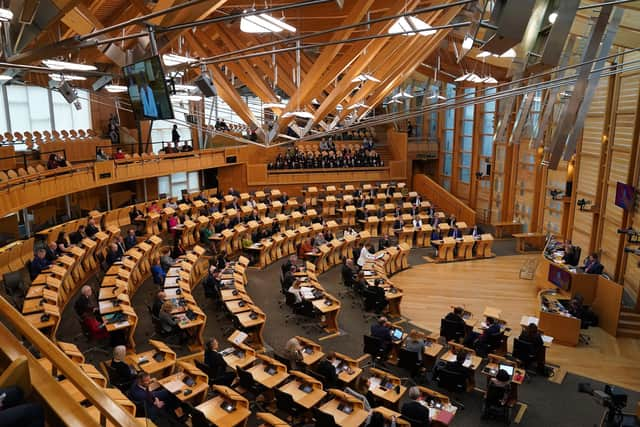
x,y
5,15
365,77
552,17
555,194
115,88
63,77
582,203
171,59
5,77
54,64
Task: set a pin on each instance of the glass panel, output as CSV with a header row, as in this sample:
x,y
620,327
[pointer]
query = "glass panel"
x,y
467,143
465,159
39,108
448,140
180,177
3,117
194,181
487,126
446,183
448,161
487,145
164,185
465,175
449,117
18,108
468,112
467,127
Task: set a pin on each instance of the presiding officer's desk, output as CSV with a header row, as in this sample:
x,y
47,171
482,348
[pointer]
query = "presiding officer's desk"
x,y
555,320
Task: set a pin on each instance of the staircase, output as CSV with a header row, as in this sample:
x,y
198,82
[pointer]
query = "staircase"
x,y
628,324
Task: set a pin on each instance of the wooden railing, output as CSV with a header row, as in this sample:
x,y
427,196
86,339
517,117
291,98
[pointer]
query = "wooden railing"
x,y
446,201
52,395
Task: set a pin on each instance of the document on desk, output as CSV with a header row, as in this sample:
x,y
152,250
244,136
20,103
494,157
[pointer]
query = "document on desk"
x,y
306,292
374,383
240,337
467,363
173,385
450,357
526,320
547,339
105,305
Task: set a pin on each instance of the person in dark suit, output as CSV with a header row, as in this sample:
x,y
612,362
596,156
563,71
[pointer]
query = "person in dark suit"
x,y
532,335
348,273
157,401
91,229
570,255
113,254
15,411
289,277
211,282
75,237
328,371
375,298
130,241
382,330
456,233
85,304
51,251
592,265
157,303
286,267
413,409
457,366
455,315
216,364
492,329
234,192
384,243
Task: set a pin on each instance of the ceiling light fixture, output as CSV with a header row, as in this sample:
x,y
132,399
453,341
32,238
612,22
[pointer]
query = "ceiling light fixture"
x,y
54,64
270,105
490,80
552,17
263,23
299,114
115,88
5,77
67,77
402,95
185,87
5,15
171,59
511,53
394,101
365,77
463,77
467,43
358,105
410,26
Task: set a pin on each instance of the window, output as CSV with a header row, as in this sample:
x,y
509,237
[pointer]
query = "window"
x,y
447,143
466,138
488,124
172,185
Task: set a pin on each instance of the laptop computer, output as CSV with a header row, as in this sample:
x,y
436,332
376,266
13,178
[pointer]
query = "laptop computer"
x,y
507,368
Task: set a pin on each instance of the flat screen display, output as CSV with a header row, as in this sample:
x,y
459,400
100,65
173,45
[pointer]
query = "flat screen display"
x,y
625,195
560,277
148,90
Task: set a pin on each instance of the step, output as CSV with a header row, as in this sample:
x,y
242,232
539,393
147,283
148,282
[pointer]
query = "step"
x,y
629,324
625,315
629,333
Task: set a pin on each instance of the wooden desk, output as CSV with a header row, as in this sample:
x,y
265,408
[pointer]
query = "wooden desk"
x,y
386,387
151,366
241,356
350,369
507,228
388,415
357,414
535,240
311,352
213,411
306,399
261,374
330,312
490,370
484,246
253,326
441,411
270,420
473,361
175,383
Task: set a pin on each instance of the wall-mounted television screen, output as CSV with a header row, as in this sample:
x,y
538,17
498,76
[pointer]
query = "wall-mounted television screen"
x,y
148,90
625,195
560,277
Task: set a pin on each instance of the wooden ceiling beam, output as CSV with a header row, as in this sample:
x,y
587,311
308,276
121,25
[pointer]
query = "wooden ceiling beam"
x,y
372,48
358,10
225,90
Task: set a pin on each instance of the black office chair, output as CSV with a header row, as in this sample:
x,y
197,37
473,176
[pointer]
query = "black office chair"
x,y
409,360
414,422
115,380
493,406
252,388
155,321
453,382
286,404
198,418
322,419
286,362
15,289
452,331
376,348
525,352
491,344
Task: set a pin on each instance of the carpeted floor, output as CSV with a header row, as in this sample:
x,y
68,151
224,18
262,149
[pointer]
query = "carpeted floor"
x,y
550,404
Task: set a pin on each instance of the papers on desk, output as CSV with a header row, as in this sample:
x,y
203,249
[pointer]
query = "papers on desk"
x,y
547,339
173,386
124,324
171,281
307,292
105,305
467,363
240,337
173,271
526,320
374,383
449,357
171,293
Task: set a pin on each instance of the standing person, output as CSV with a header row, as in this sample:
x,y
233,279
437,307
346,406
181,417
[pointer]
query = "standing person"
x,y
175,135
15,411
409,128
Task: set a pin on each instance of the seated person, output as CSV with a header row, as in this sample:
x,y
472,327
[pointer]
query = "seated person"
x,y
348,273
211,282
166,261
366,254
215,362
39,263
168,324
293,353
124,373
75,237
295,290
474,339
457,366
498,391
15,411
113,254
415,343
85,304
328,371
532,335
157,272
382,330
414,410
455,315
51,251
293,260
91,229
592,265
154,399
131,240
570,255
575,306
305,248
384,243
319,240
375,298
158,301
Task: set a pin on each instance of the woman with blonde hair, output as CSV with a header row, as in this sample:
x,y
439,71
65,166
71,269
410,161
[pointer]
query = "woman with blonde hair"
x,y
168,324
123,372
293,352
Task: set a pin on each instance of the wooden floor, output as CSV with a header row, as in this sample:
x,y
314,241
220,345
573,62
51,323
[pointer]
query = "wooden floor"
x,y
431,289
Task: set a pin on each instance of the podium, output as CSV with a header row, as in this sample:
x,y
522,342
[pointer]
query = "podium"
x,y
484,245
329,205
349,216
405,236
387,225
403,258
152,223
371,226
465,247
311,196
423,236
445,249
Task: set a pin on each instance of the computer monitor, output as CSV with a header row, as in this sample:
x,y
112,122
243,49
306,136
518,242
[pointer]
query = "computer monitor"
x,y
625,195
507,368
559,277
397,334
148,90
